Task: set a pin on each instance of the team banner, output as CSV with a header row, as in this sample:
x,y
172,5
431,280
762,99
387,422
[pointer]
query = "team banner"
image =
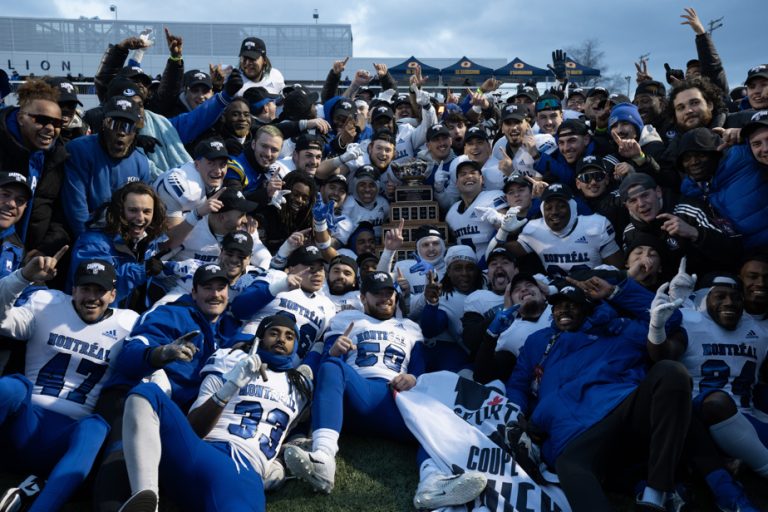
x,y
457,422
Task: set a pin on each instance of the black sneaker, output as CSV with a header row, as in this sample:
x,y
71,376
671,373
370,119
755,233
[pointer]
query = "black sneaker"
x,y
142,501
20,498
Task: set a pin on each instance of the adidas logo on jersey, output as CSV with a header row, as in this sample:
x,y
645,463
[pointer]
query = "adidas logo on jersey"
x,y
581,240
112,334
751,335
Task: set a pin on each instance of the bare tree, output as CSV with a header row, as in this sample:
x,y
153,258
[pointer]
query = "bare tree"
x,y
589,53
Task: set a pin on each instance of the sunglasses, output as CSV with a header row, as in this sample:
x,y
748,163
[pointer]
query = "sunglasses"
x,y
596,176
42,120
121,125
548,103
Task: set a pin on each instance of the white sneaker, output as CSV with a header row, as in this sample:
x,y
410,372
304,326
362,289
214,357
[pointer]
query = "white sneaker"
x,y
439,490
142,501
274,477
316,468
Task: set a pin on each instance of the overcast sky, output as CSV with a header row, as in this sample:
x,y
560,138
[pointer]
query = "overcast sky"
x,y
501,29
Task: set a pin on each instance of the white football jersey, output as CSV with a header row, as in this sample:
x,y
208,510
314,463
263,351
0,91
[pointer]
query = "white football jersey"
x,y
513,339
382,347
256,420
466,224
484,302
453,305
185,271
417,280
346,301
181,189
376,215
725,360
591,239
200,244
67,360
313,313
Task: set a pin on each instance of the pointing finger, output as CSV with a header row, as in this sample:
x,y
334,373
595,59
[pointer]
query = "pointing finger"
x,y
683,262
60,253
218,193
344,62
348,329
402,223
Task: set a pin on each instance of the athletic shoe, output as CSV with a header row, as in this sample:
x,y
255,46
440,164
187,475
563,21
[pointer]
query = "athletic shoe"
x,y
142,501
439,490
274,476
20,498
316,468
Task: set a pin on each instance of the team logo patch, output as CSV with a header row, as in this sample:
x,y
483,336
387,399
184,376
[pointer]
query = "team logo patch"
x,y
380,276
95,268
250,45
312,249
240,238
129,92
112,334
200,76
67,87
212,269
759,116
568,289
123,104
589,159
217,145
581,240
751,335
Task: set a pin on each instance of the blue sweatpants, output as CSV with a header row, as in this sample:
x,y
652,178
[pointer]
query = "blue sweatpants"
x,y
43,442
197,474
369,403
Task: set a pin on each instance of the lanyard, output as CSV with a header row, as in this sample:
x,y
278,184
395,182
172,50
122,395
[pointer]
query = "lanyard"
x,y
538,371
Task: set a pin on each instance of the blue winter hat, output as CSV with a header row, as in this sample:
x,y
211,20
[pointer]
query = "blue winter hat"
x,y
626,112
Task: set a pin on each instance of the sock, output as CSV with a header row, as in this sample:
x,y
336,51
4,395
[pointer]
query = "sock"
x,y
737,437
427,469
326,440
652,496
141,444
727,492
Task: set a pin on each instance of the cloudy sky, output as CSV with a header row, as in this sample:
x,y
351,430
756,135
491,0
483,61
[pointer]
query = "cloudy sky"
x,y
494,28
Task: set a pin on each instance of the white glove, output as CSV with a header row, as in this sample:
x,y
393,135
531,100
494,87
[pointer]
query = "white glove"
x,y
353,152
681,286
278,198
422,97
510,223
241,374
490,215
662,308
442,177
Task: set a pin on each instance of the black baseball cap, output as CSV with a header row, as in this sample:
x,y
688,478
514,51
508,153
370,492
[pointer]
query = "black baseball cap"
x,y
522,277
469,163
633,180
135,73
383,111
617,98
367,171
240,241
67,91
98,272
197,77
211,149
400,99
338,178
602,91
557,191
233,199
513,111
760,71
309,141
572,127
571,293
527,91
306,255
426,230
501,252
376,281
577,91
298,103
343,107
516,179
257,97
437,130
758,120
122,108
700,139
120,86
207,273
253,48
14,178
652,87
475,132
589,162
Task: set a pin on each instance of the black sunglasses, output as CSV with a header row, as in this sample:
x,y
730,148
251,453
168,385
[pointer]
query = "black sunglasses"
x,y
43,120
597,176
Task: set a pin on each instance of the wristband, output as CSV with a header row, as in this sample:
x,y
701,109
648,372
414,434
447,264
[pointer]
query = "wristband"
x,y
191,218
302,125
218,401
175,59
324,245
614,293
320,226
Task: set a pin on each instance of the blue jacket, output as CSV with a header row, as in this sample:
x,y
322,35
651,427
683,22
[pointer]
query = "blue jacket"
x,y
738,191
11,252
587,373
555,169
162,326
112,248
91,176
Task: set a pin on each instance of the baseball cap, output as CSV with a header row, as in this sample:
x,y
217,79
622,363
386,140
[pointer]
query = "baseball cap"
x,y
298,103
253,48
634,180
760,71
67,91
135,73
501,252
400,99
475,132
459,253
617,98
759,120
309,141
426,230
98,272
597,90
384,111
527,91
367,172
362,258
571,293
468,163
197,77
207,273
699,139
376,281
120,86
343,107
557,191
233,199
338,178
14,178
572,127
257,97
122,108
306,255
437,130
548,102
516,179
522,277
240,241
652,87
589,162
513,111
720,279
211,149
577,91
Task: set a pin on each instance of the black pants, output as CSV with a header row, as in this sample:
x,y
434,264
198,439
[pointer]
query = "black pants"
x,y
655,416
